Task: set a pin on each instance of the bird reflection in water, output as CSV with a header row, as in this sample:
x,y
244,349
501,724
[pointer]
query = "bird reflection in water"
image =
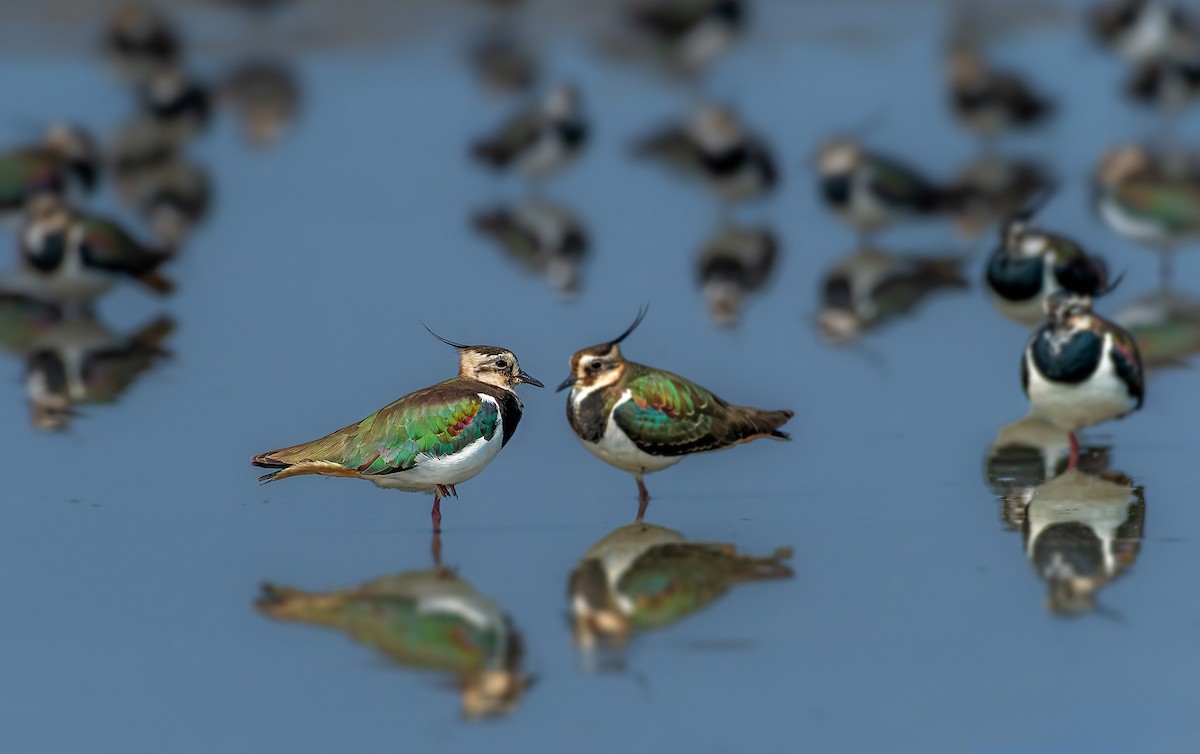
x,y
23,319
737,262
1166,326
998,187
870,287
266,96
426,620
541,237
1081,527
643,576
80,361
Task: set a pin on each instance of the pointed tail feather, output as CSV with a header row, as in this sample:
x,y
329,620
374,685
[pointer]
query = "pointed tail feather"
x,y
767,423
157,282
491,154
765,568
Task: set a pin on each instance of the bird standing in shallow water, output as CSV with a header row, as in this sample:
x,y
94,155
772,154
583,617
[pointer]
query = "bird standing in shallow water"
x,y
538,141
427,441
1079,369
641,419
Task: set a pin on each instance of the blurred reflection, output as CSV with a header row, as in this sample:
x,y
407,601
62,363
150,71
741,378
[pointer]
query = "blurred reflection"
x,y
503,61
23,319
542,238
265,95
1142,30
1027,453
1166,326
714,148
736,263
990,101
869,287
178,101
139,146
643,576
1081,528
426,620
997,187
79,361
539,139
1081,532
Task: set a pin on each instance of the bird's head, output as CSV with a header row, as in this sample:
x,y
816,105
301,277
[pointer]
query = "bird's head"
x,y
839,155
489,364
599,365
561,102
716,128
1065,307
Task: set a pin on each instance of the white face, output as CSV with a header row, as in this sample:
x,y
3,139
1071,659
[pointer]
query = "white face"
x,y
593,370
561,102
716,128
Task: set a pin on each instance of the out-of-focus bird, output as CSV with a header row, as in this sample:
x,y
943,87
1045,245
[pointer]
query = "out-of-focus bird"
x,y
1141,30
140,41
177,100
540,140
642,419
643,576
23,319
266,94
73,258
991,101
503,61
544,238
66,161
1030,264
173,199
80,361
996,188
869,191
870,287
428,441
1169,83
735,264
1079,369
427,620
1152,204
688,35
1165,325
714,148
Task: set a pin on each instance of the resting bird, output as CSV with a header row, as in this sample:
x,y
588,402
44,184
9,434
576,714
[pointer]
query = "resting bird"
x,y
1141,30
714,148
1030,264
990,101
642,576
428,441
869,191
688,35
641,419
543,238
427,620
1079,369
736,263
540,140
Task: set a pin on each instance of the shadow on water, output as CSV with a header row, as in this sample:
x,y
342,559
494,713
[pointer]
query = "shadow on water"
x,y
1081,528
428,619
642,577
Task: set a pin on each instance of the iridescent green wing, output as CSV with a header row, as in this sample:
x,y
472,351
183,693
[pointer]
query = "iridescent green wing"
x,y
901,185
666,414
1175,206
1128,363
437,421
24,171
519,132
107,245
420,638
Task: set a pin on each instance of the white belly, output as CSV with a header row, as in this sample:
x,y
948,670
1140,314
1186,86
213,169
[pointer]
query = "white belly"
x,y
1073,407
431,471
865,212
617,449
547,155
1130,227
71,282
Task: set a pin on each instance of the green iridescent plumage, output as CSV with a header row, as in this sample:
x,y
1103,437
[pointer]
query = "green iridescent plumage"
x,y
107,245
438,421
1174,206
25,171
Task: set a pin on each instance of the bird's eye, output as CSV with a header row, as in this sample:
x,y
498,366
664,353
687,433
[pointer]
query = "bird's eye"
x,y
595,366
501,364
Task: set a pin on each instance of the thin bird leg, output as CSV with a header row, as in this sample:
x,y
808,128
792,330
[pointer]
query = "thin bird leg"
x,y
643,498
436,513
453,491
435,547
1073,462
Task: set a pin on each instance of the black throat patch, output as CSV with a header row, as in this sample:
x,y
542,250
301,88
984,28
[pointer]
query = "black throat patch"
x,y
1067,358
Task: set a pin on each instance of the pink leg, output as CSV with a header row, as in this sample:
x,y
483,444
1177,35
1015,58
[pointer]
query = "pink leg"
x,y
1073,463
436,513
